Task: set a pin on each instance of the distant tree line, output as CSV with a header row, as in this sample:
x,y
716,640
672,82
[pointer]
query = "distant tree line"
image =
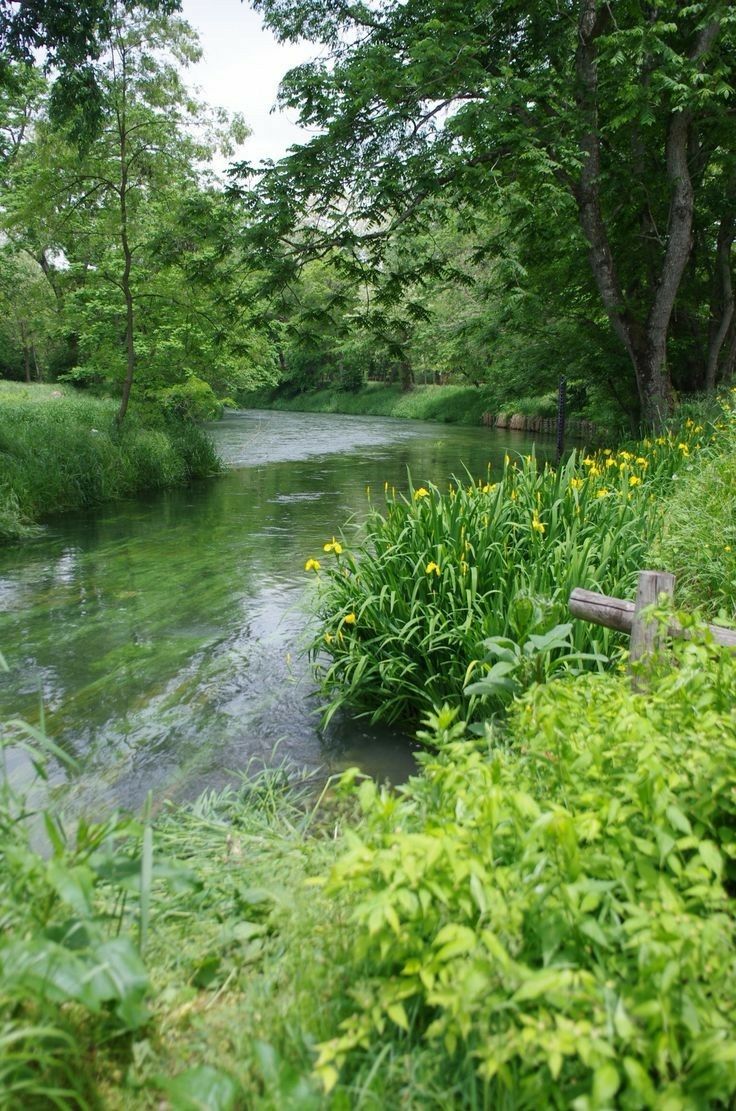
x,y
495,193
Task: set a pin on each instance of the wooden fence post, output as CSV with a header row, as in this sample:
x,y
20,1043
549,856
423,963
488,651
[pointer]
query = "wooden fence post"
x,y
645,633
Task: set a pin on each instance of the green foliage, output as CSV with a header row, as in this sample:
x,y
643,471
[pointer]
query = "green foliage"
x,y
190,400
235,1005
63,451
448,404
151,286
530,910
63,959
558,207
405,617
513,667
698,541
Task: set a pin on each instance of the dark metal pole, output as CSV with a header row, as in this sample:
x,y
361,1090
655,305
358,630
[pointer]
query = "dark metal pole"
x,y
561,399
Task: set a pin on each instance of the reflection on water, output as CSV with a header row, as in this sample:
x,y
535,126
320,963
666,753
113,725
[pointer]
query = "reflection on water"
x,y
166,635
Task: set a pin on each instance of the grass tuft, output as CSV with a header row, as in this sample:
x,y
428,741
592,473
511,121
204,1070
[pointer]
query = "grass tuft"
x,y
61,451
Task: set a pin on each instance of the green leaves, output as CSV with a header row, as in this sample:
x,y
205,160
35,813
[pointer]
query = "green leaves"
x,y
202,1088
535,910
488,564
534,661
108,972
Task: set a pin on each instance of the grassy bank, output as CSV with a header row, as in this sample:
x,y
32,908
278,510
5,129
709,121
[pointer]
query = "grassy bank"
x,y
542,918
447,404
452,404
61,450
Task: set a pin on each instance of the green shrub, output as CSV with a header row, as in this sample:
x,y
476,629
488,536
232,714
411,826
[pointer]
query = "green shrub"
x,y
191,400
70,979
405,617
554,914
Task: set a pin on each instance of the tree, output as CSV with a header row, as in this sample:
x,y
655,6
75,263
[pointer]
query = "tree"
x,y
616,117
105,208
27,318
69,36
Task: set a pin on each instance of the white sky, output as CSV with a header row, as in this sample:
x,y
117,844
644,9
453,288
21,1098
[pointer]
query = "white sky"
x,y
241,70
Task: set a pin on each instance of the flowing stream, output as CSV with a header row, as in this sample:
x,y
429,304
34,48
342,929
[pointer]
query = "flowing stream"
x,y
164,637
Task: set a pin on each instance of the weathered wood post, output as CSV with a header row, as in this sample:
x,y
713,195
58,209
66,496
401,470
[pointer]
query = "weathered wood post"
x,y
622,615
646,636
652,584
561,401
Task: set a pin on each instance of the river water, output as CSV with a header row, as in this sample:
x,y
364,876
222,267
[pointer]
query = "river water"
x,y
165,636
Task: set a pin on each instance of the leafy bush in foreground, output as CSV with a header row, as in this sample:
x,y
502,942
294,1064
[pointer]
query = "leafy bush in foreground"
x,y
557,914
405,617
70,979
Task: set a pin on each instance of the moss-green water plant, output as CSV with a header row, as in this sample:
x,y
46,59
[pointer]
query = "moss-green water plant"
x,y
404,616
550,915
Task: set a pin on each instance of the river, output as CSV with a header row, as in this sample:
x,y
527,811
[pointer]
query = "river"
x,y
165,636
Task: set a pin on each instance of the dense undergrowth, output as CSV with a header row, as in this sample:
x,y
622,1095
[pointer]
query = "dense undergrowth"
x,y
543,917
60,450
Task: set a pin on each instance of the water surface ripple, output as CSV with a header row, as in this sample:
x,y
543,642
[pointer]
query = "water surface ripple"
x,y
165,636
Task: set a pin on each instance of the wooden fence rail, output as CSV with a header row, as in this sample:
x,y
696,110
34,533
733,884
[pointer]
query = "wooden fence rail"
x,y
626,617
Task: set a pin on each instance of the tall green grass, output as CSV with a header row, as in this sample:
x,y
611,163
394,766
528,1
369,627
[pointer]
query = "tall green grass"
x,y
71,977
405,616
698,540
61,451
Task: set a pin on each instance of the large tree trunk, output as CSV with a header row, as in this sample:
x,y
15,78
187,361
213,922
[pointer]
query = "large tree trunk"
x,y
26,351
645,341
127,262
729,363
722,310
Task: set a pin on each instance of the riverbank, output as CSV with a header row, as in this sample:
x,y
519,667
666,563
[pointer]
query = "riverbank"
x,y
514,927
61,450
463,405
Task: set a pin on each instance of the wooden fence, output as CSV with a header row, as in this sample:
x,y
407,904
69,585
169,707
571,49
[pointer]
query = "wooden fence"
x,y
629,617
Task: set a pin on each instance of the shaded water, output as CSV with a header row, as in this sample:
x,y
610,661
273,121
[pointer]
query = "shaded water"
x,y
165,635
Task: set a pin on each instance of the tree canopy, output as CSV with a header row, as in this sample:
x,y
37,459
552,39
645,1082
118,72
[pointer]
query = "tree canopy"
x,y
119,264
610,127
67,35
